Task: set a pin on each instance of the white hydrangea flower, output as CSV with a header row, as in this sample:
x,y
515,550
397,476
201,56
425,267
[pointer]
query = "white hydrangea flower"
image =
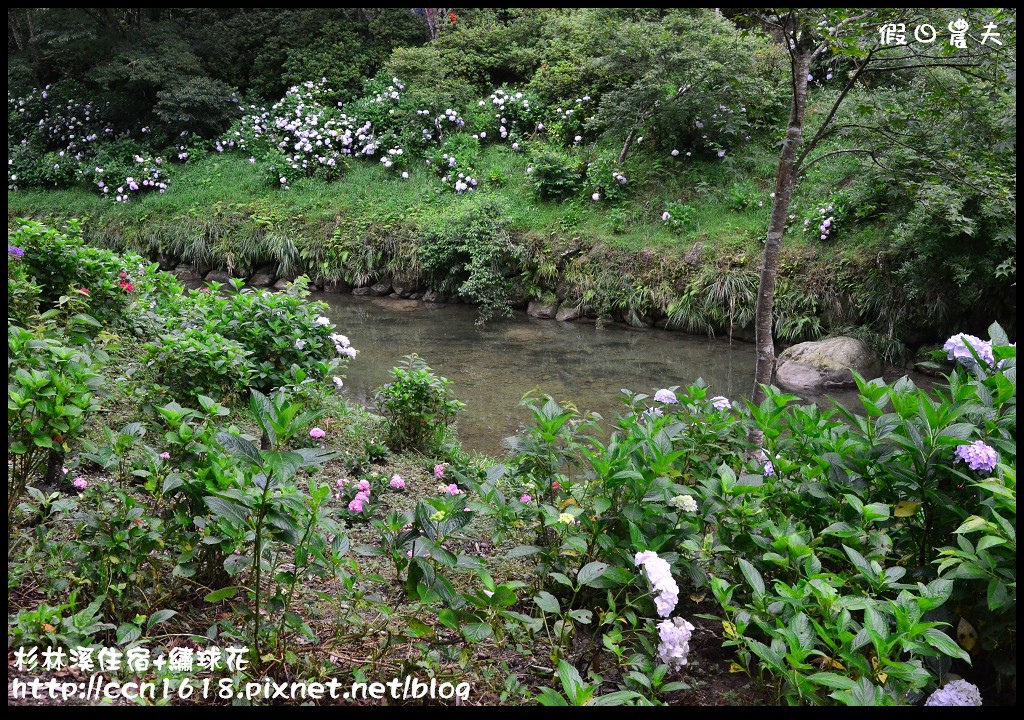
x,y
686,503
659,573
675,641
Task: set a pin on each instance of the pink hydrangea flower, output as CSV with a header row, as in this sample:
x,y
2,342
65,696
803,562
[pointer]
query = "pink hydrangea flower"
x,y
80,483
165,455
397,482
356,505
453,489
525,498
316,433
439,471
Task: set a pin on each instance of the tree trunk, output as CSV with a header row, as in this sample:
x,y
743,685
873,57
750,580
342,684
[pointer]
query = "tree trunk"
x,y
625,148
785,182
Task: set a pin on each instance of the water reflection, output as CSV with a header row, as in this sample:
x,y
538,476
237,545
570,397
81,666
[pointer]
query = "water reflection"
x,y
493,367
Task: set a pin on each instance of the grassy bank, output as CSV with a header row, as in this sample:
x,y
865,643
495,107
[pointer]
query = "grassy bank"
x,y
617,259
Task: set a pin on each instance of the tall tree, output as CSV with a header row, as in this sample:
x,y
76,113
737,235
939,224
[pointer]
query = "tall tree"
x,y
871,41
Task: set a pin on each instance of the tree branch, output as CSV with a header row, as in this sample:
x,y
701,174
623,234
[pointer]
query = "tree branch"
x,y
835,152
810,145
949,173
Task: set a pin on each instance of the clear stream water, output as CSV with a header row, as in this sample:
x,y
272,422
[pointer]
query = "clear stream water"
x,y
491,368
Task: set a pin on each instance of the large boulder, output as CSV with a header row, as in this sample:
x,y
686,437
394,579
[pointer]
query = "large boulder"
x,y
813,367
337,285
186,274
220,276
542,309
568,313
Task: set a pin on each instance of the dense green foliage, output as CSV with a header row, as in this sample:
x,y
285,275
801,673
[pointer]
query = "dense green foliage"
x,y
418,407
183,465
668,117
841,553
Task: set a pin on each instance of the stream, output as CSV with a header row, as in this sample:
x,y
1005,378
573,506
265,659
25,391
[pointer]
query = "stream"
x,y
491,368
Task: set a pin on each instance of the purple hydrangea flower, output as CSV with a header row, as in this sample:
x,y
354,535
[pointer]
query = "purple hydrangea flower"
x,y
958,693
15,251
721,403
957,349
978,456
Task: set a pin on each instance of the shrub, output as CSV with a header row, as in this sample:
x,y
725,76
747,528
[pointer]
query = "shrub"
x,y
278,332
418,407
473,255
556,174
51,392
197,361
115,288
22,290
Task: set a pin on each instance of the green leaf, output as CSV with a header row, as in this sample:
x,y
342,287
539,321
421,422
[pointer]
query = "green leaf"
x,y
753,577
561,578
475,632
572,683
240,447
223,508
619,697
550,698
582,616
945,644
590,572
612,577
832,680
368,550
160,616
222,594
547,602
235,564
128,632
448,618
997,335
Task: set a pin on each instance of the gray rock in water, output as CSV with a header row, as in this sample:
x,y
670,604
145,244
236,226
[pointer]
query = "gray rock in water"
x,y
362,291
336,286
542,310
434,297
281,284
568,313
745,334
381,289
813,367
220,276
404,289
397,304
261,280
185,273
636,320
